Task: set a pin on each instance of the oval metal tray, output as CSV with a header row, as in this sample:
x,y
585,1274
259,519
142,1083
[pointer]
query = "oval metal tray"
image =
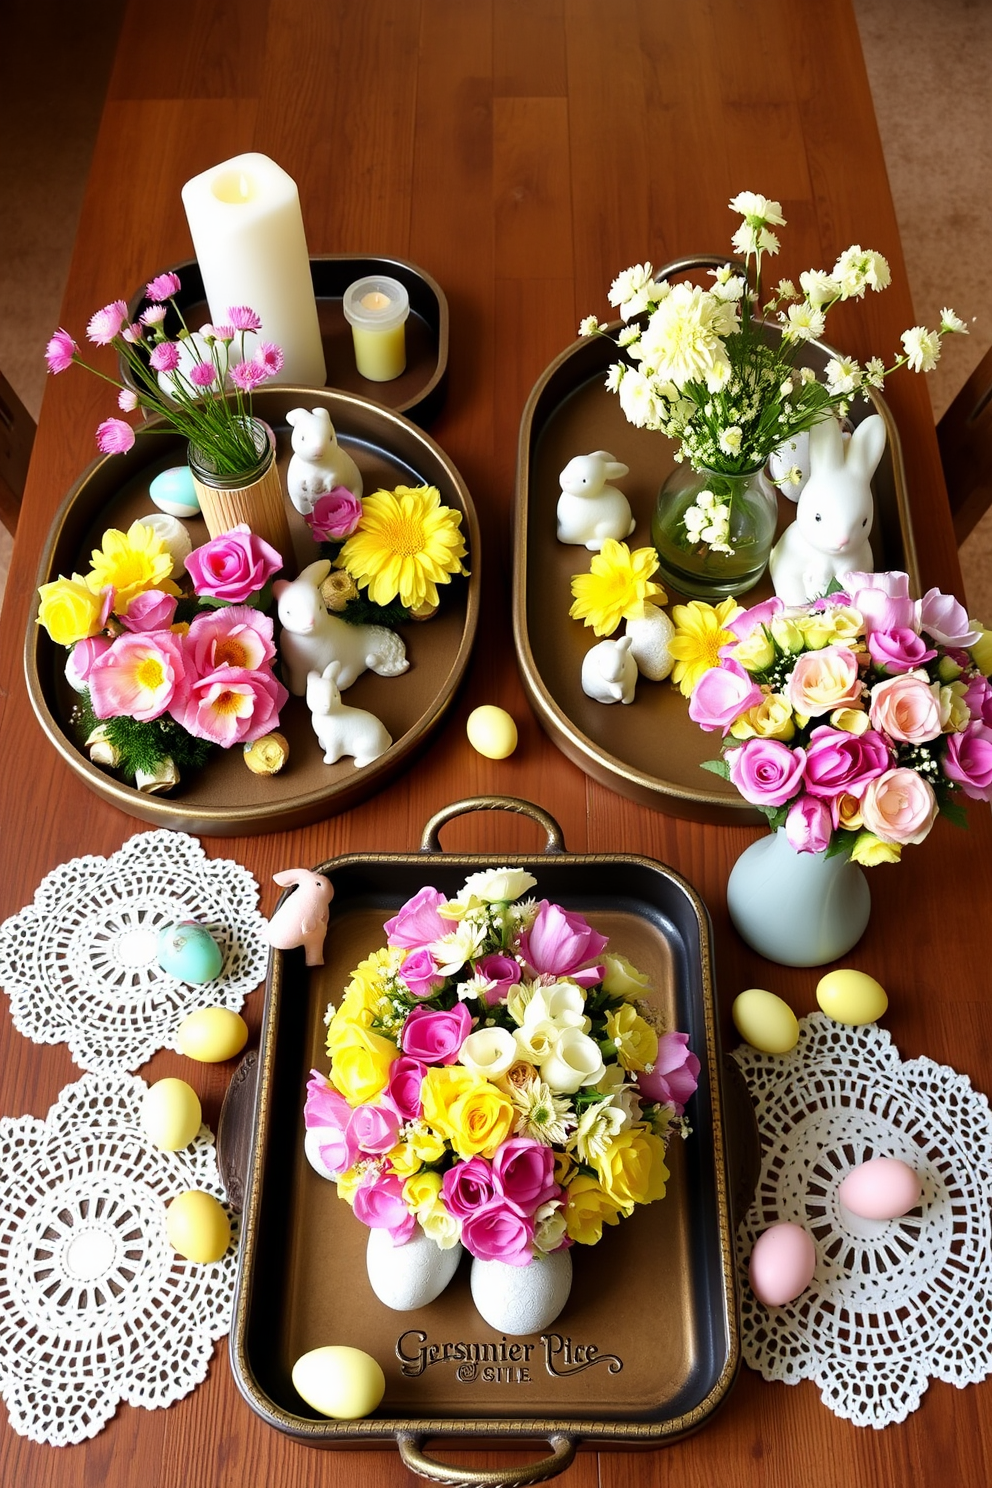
x,y
225,799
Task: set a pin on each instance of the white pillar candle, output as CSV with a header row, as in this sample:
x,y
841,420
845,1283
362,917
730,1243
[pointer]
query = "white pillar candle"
x,y
247,228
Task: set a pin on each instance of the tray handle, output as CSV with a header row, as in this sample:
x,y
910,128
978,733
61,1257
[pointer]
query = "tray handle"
x,y
415,1460
430,843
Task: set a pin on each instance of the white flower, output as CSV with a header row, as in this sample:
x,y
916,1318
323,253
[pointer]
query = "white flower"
x,y
589,326
805,322
544,1116
875,372
818,287
786,290
922,348
452,951
730,440
639,404
488,1052
843,375
549,1226
806,375
491,886
598,1126
615,376
860,268
729,289
440,1226
757,208
684,338
622,979
635,289
749,239
952,323
629,335
475,987
575,1060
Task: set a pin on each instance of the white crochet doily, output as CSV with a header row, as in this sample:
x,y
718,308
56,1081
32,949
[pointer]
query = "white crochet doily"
x,y
95,1306
893,1303
79,964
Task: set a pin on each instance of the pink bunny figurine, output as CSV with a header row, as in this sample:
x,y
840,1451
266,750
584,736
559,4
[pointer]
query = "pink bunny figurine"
x,y
302,919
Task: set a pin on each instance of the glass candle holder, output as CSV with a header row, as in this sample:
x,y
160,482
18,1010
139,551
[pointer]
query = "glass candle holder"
x,y
376,308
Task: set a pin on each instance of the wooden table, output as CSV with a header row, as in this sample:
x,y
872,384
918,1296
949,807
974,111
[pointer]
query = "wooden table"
x,y
523,152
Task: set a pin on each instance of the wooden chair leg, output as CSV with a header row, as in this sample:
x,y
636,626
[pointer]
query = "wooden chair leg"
x,y
965,438
17,429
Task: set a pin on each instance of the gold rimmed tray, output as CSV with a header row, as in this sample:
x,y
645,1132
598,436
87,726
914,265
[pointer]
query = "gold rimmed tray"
x,y
225,799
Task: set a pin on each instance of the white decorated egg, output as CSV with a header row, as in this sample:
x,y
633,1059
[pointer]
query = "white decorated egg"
x,y
170,1114
178,543
174,493
782,1264
404,1277
883,1188
338,1381
522,1299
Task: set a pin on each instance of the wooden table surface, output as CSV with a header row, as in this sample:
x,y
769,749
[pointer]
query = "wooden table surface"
x,y
523,152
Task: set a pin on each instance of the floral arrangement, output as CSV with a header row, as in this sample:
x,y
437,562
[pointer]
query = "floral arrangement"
x,y
851,721
163,675
497,1077
209,375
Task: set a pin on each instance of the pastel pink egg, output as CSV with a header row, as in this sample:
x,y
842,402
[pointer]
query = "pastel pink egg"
x,y
782,1264
883,1188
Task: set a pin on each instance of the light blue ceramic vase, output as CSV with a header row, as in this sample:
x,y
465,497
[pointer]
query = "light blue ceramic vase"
x,y
800,909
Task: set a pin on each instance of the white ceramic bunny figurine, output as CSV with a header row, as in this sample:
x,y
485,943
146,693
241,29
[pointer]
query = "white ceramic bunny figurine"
x,y
609,672
311,637
829,537
589,509
318,463
342,730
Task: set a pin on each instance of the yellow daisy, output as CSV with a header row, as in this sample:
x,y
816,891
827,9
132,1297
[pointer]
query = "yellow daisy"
x,y
617,584
131,563
405,544
699,634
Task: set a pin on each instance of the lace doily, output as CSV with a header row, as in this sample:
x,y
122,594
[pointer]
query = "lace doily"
x,y
893,1303
79,964
95,1306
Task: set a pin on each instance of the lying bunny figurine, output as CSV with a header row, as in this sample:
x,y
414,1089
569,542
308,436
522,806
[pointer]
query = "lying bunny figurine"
x,y
609,672
590,510
318,462
312,637
302,919
829,537
342,730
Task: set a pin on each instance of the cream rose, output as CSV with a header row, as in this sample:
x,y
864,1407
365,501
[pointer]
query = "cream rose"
x,y
488,1052
574,1061
899,807
824,680
905,708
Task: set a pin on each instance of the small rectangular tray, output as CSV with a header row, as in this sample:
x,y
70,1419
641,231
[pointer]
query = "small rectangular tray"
x,y
656,1298
418,392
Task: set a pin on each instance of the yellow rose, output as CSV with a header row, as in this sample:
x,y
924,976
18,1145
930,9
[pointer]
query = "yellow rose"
x,y
69,611
850,720
426,1144
955,714
587,1209
787,635
403,1160
849,813
846,624
981,651
360,1064
871,850
632,1169
440,1226
469,1111
635,1040
421,1191
348,1183
565,1166
756,652
772,718
622,979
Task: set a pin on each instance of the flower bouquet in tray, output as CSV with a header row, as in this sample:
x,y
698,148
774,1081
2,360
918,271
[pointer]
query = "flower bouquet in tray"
x,y
499,1082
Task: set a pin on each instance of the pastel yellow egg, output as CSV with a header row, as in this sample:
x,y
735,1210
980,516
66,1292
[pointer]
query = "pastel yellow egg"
x,y
170,1114
211,1035
492,732
338,1381
765,1021
197,1226
851,997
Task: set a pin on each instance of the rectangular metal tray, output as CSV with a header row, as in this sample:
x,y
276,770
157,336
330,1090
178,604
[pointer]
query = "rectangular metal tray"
x,y
656,1298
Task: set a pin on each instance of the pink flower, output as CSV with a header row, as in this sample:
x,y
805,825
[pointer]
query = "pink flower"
x,y
270,356
236,636
721,695
230,706
759,614
79,662
899,807
525,1172
374,1129
889,582
106,323
809,824
560,942
133,333
335,515
824,680
217,333
114,437
469,1186
498,1233
419,972
165,356
232,566
979,699
327,1116
60,351
968,761
434,1035
380,1205
162,287
127,400
418,923
151,610
766,772
503,972
247,375
243,318
899,650
138,677
324,1105
203,374
153,316
905,709
946,621
839,763
675,1076
406,1076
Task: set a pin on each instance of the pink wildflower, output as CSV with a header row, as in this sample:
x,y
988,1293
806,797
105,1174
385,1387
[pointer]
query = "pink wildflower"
x,y
106,323
162,287
127,400
114,437
217,333
203,374
243,318
270,356
247,375
231,705
137,677
165,356
133,334
154,315
60,351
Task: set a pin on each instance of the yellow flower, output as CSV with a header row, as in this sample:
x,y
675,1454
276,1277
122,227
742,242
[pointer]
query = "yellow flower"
x,y
981,650
364,992
622,978
871,850
632,1169
617,584
348,1182
403,1160
699,634
849,816
469,1111
69,610
440,1226
772,718
421,1191
636,1041
850,720
426,1144
756,652
405,544
131,563
587,1209
360,1064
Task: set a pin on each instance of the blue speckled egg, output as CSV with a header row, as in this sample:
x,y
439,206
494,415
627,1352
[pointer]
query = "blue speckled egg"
x,y
189,953
173,492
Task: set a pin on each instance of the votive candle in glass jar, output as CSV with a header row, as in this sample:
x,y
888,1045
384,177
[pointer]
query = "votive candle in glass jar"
x,y
376,308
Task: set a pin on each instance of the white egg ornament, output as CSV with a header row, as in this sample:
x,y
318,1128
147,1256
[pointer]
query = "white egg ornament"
x,y
782,1264
882,1188
408,1276
341,1382
522,1299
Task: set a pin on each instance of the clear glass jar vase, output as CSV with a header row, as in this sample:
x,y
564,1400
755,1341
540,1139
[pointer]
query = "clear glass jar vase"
x,y
733,554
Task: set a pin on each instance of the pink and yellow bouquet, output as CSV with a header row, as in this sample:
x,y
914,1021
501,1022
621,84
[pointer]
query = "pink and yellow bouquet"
x,y
497,1078
853,721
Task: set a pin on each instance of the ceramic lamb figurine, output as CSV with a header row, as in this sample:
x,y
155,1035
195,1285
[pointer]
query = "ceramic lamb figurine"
x,y
609,672
589,509
302,919
342,730
318,463
311,637
829,537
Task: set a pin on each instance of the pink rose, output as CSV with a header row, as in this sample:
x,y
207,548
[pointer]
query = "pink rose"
x,y
498,1233
151,610
766,772
418,923
374,1129
230,706
140,676
335,515
469,1186
419,972
824,680
560,942
898,650
978,696
503,972
235,636
380,1205
232,566
759,614
968,761
839,763
525,1172
324,1105
675,1076
883,611
946,621
79,662
899,807
905,709
434,1035
405,1079
721,695
809,824
327,1116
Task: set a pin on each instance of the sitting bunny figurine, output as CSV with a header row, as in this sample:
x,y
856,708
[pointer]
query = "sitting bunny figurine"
x,y
829,537
318,463
590,510
609,672
302,919
342,730
312,637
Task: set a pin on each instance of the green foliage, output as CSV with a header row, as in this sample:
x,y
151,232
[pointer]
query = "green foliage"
x,y
144,745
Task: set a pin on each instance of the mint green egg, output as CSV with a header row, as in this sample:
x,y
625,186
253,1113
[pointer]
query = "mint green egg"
x,y
173,492
189,953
